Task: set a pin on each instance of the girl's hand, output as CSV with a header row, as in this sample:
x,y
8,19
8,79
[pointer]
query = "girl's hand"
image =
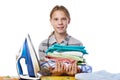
x,y
58,70
72,69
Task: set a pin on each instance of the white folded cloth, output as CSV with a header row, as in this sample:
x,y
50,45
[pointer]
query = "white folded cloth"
x,y
99,75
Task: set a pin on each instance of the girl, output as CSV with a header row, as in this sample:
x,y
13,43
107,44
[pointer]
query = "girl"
x,y
60,19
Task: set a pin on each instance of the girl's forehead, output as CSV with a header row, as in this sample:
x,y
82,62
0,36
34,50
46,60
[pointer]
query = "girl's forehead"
x,y
59,13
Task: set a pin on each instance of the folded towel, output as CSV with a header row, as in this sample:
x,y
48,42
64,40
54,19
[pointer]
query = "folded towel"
x,y
63,48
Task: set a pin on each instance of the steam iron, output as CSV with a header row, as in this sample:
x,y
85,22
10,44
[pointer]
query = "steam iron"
x,y
28,53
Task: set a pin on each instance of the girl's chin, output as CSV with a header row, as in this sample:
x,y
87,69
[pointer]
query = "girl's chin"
x,y
61,32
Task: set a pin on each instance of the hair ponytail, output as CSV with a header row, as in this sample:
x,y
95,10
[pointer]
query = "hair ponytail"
x,y
51,34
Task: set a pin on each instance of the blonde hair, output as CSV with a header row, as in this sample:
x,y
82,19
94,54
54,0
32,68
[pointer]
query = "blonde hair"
x,y
51,34
61,8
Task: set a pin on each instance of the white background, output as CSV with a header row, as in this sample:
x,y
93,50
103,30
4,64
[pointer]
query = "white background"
x,y
95,22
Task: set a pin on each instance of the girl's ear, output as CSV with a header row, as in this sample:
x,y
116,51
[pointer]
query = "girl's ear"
x,y
50,21
69,21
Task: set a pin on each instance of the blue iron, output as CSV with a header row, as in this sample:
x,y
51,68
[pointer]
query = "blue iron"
x,y
28,53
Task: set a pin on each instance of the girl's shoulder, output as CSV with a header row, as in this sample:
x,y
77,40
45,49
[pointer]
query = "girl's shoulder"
x,y
43,43
74,41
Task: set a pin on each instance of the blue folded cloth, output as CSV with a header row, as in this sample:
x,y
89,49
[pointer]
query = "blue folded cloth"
x,y
62,48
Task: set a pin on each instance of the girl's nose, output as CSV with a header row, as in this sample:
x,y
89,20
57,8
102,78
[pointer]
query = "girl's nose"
x,y
59,21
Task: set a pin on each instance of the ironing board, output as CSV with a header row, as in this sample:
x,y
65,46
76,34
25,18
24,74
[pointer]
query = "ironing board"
x,y
57,78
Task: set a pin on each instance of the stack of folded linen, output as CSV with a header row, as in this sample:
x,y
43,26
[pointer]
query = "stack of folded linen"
x,y
66,55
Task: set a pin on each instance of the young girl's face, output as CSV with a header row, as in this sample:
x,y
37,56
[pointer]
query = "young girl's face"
x,y
59,21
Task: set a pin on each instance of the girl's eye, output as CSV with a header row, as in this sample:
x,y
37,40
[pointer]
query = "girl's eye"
x,y
63,18
55,19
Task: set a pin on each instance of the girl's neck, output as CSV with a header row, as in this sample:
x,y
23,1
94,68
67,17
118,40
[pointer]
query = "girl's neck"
x,y
60,37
